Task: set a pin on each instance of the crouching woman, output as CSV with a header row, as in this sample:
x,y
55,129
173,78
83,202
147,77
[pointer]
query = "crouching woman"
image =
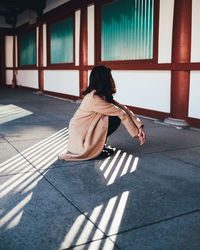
x,y
98,116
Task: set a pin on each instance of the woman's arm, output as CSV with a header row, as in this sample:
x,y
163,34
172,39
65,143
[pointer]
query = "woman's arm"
x,y
131,123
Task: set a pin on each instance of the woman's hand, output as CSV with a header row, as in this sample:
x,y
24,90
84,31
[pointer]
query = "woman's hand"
x,y
141,136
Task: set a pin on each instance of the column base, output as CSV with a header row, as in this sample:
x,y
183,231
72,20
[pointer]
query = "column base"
x,y
179,123
176,123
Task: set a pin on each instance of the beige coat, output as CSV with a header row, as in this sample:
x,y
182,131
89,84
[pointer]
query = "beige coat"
x,y
89,125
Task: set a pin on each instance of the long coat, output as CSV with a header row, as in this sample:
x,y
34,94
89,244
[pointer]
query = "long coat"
x,y
89,125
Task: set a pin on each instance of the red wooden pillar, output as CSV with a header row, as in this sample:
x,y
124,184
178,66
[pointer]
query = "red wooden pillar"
x,y
83,49
40,58
181,47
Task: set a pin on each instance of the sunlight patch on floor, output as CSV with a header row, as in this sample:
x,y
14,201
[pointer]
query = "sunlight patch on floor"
x,y
105,218
12,112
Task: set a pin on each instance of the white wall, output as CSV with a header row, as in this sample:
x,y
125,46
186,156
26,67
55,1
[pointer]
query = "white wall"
x,y
194,100
28,78
144,89
62,81
165,31
9,51
37,45
44,45
90,23
16,52
9,77
195,39
77,35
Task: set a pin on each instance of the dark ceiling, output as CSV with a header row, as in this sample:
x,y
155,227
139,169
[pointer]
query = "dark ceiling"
x,y
10,9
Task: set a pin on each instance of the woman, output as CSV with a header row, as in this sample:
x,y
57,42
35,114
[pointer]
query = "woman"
x,y
98,116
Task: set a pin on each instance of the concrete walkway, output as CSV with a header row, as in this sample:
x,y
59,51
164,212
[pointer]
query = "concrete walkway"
x,y
141,198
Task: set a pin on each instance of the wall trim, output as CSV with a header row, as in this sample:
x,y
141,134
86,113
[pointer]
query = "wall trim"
x,y
65,96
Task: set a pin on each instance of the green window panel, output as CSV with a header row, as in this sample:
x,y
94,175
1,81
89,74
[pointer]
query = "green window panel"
x,y
127,30
27,51
62,41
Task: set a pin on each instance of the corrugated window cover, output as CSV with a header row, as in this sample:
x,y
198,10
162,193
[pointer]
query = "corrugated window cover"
x,y
62,41
127,30
27,49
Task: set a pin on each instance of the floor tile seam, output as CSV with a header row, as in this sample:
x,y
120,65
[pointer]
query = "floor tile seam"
x,y
66,197
155,222
36,170
186,162
168,150
21,140
91,241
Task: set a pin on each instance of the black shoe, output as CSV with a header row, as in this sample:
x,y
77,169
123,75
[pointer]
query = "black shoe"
x,y
109,150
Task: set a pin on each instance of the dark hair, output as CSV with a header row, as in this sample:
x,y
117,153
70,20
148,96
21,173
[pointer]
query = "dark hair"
x,y
102,82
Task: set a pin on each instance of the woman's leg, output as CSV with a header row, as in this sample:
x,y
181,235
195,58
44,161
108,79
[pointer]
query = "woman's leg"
x,y
113,124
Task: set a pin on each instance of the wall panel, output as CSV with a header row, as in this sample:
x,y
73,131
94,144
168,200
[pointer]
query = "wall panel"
x,y
144,89
44,45
77,36
194,101
90,23
9,77
9,51
62,81
165,31
28,78
195,41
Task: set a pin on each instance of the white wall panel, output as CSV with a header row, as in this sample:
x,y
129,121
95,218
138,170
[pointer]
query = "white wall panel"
x,y
37,45
44,45
144,89
77,35
90,35
194,101
9,51
9,77
16,52
62,81
165,31
28,78
195,41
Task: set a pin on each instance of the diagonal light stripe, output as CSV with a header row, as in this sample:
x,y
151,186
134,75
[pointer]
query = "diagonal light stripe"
x,y
36,146
11,112
15,210
125,169
111,164
116,170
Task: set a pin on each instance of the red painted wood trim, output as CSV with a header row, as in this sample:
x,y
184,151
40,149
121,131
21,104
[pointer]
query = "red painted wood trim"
x,y
98,35
149,112
14,80
72,97
49,41
134,66
2,62
181,47
83,52
28,88
22,32
40,59
193,122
